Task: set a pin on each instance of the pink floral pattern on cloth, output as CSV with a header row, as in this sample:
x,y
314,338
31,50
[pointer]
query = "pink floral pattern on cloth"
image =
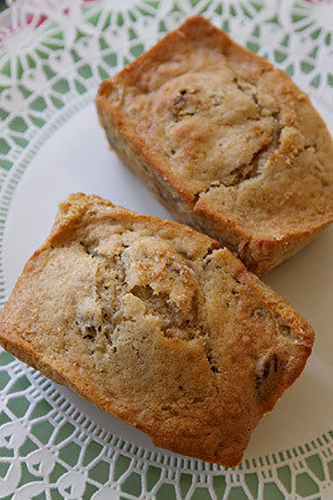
x,y
320,1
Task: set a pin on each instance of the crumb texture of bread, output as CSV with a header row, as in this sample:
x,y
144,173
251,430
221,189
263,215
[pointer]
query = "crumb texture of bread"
x,y
225,141
156,324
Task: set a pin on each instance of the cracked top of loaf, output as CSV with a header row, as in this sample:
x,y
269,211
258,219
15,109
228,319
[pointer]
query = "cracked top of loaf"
x,y
237,142
156,324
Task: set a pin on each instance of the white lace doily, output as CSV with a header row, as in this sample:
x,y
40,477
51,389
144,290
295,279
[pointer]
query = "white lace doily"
x,y
53,55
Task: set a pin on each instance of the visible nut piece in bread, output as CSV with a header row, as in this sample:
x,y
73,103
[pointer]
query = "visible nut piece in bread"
x,y
225,141
156,324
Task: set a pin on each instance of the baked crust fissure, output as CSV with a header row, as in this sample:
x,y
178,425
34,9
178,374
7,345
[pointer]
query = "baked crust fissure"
x,y
191,103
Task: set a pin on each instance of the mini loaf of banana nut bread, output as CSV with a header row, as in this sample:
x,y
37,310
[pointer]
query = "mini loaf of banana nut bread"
x,y
226,142
156,324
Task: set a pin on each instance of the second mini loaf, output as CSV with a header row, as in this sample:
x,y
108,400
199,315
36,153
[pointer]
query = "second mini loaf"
x,y
226,142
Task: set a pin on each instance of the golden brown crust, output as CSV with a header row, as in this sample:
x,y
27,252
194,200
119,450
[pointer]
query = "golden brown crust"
x,y
156,324
226,142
